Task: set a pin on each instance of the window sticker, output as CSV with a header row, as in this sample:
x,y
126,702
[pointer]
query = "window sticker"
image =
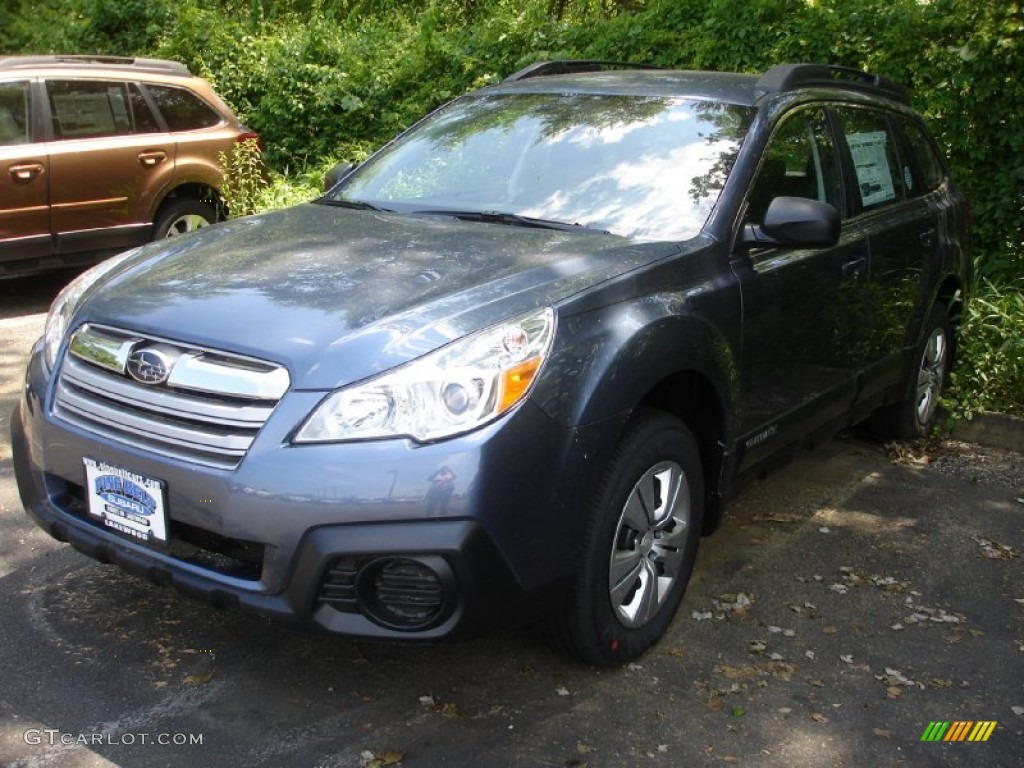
x,y
872,165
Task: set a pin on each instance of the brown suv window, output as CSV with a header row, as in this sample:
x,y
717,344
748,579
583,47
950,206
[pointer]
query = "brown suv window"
x,y
14,122
145,120
83,109
182,110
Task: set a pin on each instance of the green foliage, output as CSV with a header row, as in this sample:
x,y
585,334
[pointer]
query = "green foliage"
x,y
244,178
990,375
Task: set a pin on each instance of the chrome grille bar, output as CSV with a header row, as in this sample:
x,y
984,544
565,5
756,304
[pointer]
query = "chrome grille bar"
x,y
208,412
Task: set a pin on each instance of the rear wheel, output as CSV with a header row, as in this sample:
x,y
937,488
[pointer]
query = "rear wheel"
x,y
178,217
639,550
914,416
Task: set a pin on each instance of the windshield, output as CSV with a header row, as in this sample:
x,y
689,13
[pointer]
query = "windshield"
x,y
644,167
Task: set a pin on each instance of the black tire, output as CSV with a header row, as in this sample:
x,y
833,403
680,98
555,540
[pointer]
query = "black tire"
x,y
646,539
183,215
914,416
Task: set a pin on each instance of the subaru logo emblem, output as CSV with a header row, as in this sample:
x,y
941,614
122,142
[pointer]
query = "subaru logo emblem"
x,y
150,365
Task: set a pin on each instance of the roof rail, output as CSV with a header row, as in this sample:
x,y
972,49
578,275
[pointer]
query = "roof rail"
x,y
164,66
570,67
787,77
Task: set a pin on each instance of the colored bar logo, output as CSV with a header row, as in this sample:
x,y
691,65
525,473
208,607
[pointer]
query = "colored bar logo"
x,y
959,730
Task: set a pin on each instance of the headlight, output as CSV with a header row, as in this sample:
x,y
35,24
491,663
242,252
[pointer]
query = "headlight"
x,y
451,391
67,301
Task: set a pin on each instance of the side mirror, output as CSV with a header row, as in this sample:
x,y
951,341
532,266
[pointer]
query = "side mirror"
x,y
337,173
796,221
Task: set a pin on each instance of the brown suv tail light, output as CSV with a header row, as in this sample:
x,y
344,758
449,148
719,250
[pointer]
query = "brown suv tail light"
x,y
246,134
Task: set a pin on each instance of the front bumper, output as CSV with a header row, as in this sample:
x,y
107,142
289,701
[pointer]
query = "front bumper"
x,y
304,533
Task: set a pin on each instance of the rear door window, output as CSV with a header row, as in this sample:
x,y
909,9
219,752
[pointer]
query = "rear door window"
x,y
879,176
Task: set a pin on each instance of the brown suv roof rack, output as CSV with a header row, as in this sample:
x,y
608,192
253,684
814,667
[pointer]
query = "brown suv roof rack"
x,y
788,77
163,66
571,67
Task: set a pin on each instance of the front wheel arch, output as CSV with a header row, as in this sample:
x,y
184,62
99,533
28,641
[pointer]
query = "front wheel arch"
x,y
639,545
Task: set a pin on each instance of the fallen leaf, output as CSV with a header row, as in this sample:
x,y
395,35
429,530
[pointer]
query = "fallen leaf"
x,y
893,692
819,718
198,679
736,673
450,710
882,733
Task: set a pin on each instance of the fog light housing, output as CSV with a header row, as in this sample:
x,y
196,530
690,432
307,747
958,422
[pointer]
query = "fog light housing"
x,y
406,593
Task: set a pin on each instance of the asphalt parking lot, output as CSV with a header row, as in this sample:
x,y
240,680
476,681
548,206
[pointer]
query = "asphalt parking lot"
x,y
850,601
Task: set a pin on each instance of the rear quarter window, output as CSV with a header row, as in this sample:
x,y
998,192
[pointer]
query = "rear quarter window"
x,y
925,165
183,110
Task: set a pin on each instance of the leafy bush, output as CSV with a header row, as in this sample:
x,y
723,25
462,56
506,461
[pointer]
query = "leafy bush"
x,y
244,178
990,375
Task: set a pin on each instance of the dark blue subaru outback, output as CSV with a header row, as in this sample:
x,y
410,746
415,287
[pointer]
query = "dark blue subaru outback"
x,y
513,365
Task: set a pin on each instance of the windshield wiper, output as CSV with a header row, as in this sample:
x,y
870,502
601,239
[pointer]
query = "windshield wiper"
x,y
358,205
513,219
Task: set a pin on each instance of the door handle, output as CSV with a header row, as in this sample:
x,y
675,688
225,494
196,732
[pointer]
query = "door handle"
x,y
26,171
928,238
152,157
852,269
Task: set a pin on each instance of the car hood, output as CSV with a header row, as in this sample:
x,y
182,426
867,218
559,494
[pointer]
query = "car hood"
x,y
338,295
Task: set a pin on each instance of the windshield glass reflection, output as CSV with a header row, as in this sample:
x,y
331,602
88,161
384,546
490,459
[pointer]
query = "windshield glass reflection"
x,y
647,168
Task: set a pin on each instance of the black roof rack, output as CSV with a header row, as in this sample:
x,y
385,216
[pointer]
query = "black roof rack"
x,y
163,66
570,67
788,77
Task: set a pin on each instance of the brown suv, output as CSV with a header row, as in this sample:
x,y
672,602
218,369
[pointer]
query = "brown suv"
x,y
99,154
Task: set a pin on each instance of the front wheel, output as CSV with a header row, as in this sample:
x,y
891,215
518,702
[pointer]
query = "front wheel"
x,y
641,544
177,217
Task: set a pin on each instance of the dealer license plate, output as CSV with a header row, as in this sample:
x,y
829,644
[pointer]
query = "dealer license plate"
x,y
127,502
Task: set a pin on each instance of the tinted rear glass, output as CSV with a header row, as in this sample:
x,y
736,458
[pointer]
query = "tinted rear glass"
x,y
182,109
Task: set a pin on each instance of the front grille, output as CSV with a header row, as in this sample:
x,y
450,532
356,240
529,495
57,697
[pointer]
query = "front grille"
x,y
209,410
